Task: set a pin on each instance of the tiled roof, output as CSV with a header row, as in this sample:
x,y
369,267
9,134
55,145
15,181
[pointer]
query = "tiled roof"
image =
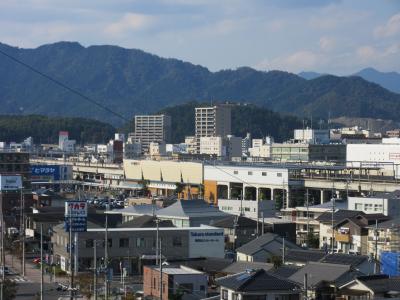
x,y
301,255
256,281
381,283
241,266
344,259
285,271
268,242
318,272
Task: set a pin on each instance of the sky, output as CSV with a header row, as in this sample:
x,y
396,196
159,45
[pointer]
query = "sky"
x,y
328,36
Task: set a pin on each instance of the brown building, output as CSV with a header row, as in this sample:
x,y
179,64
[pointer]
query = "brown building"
x,y
15,163
176,280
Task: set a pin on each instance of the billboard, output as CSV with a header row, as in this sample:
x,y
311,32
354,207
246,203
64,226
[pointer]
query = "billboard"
x,y
10,182
75,216
45,172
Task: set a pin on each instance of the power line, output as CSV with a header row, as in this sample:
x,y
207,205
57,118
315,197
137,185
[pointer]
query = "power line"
x,y
59,83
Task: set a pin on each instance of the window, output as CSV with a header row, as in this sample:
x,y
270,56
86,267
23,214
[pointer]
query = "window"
x,y
89,243
278,174
225,294
249,173
109,243
202,288
264,173
124,243
177,241
235,172
139,242
235,296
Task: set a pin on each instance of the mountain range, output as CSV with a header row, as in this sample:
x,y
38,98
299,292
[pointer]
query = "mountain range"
x,y
388,80
131,81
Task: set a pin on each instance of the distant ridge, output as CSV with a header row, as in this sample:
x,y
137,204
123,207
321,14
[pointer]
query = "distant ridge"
x,y
388,80
131,81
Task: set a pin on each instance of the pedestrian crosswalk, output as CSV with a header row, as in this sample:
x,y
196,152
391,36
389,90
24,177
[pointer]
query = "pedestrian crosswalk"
x,y
19,279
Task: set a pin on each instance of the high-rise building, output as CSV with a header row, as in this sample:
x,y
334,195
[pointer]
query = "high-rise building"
x,y
212,122
152,128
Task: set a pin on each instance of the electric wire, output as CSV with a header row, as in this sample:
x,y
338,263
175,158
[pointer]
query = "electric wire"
x,y
66,87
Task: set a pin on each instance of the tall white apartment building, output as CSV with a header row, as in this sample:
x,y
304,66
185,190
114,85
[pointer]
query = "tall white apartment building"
x,y
212,122
152,128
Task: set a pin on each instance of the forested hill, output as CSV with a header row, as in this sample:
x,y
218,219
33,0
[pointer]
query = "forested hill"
x,y
245,118
131,81
45,129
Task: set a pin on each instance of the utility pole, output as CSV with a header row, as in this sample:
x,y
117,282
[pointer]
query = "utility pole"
x,y
71,274
106,258
157,237
333,232
22,232
305,286
2,251
161,285
262,217
95,269
376,266
308,218
41,261
283,250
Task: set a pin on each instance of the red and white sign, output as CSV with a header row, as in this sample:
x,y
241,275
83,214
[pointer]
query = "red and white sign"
x,y
75,209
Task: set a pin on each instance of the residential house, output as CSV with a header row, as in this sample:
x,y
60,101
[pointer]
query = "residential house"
x,y
257,285
177,281
264,248
350,233
371,287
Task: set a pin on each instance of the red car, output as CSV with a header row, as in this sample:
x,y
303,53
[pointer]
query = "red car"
x,y
36,260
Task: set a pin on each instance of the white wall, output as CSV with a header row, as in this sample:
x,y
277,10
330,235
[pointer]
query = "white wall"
x,y
206,242
371,205
250,208
247,174
381,155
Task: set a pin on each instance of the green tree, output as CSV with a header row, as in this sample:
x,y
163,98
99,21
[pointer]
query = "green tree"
x,y
312,240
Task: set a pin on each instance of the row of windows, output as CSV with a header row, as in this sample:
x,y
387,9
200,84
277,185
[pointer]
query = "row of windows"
x,y
236,172
139,242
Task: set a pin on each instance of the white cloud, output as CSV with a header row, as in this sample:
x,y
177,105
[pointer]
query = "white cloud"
x,y
327,43
391,28
366,53
295,62
130,22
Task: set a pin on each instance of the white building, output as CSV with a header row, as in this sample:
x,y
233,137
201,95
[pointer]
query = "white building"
x,y
191,144
246,144
312,136
157,149
242,188
119,137
64,143
385,156
384,203
212,145
212,122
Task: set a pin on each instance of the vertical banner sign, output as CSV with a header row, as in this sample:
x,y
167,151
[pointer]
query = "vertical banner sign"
x,y
75,216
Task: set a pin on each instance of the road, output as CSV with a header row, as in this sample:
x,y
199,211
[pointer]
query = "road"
x,y
29,286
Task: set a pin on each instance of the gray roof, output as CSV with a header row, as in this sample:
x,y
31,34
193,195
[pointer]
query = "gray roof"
x,y
241,266
257,281
393,223
339,215
136,210
285,271
303,255
269,242
190,209
339,204
344,259
318,272
381,283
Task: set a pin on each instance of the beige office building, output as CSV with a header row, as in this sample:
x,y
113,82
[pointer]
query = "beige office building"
x,y
212,121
